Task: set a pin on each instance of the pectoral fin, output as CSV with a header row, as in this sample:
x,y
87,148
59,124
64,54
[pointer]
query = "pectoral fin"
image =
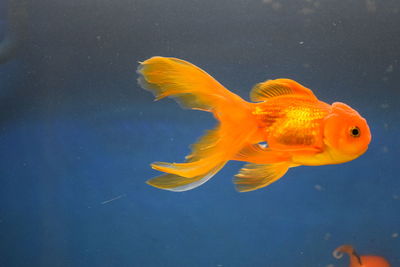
x,y
254,176
259,154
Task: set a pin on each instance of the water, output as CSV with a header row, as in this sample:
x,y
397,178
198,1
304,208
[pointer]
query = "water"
x,y
77,134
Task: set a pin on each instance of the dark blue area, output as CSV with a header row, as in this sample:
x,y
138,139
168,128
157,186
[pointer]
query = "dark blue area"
x,y
77,135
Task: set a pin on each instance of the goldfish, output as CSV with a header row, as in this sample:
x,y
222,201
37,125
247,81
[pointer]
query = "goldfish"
x,y
284,126
360,261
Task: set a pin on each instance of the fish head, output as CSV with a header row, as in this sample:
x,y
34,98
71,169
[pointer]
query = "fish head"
x,y
346,133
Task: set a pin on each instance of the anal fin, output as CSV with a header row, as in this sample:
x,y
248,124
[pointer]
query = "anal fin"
x,y
255,176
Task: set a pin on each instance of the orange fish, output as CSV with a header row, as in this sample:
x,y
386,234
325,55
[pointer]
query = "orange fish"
x,y
360,261
286,127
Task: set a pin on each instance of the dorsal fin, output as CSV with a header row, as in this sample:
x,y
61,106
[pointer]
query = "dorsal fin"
x,y
273,88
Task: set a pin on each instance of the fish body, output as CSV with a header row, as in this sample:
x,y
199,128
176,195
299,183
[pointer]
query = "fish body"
x,y
284,126
360,260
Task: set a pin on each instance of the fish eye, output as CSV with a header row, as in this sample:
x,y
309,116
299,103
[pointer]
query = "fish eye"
x,y
355,131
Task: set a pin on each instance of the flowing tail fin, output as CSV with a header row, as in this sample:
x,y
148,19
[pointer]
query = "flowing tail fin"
x,y
189,85
193,88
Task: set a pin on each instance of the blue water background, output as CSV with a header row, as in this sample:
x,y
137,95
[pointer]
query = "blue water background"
x,y
77,134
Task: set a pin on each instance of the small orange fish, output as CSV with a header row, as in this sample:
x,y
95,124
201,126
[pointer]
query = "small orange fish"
x,y
360,261
286,127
